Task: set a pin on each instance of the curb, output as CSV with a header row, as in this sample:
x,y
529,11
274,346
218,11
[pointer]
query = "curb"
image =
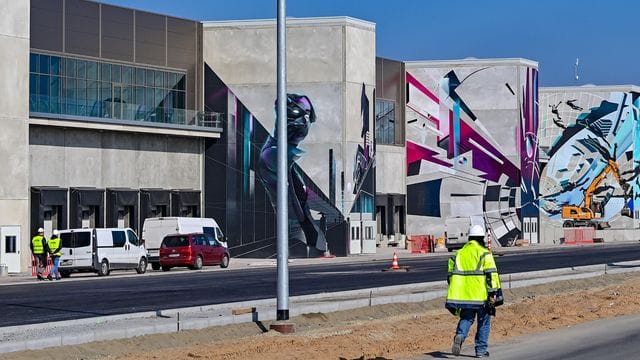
x,y
166,321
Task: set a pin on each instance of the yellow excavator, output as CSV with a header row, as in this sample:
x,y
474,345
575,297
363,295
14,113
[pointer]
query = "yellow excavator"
x,y
576,216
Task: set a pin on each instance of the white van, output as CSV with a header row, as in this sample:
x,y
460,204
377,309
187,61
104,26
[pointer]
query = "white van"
x,y
101,250
155,229
457,230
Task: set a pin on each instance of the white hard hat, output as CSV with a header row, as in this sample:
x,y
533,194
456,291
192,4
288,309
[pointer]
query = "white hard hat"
x,y
476,230
56,232
40,230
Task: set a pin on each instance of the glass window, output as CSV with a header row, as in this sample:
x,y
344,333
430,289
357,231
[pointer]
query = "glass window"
x,y
180,83
105,72
133,238
92,70
140,76
34,62
70,68
149,74
127,75
10,244
55,65
33,84
83,239
178,99
175,241
115,73
44,64
211,241
66,240
159,75
219,234
119,238
43,87
385,122
81,69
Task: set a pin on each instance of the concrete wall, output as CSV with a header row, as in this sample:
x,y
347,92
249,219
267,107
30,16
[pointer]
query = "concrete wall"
x,y
78,157
328,59
14,114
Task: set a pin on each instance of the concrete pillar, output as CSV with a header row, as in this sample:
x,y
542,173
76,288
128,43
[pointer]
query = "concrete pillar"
x,y
14,119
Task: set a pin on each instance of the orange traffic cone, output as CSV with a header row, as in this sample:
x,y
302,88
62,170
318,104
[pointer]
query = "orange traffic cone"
x,y
394,263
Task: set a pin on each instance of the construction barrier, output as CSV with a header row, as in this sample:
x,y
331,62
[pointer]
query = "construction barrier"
x,y
422,244
34,267
581,235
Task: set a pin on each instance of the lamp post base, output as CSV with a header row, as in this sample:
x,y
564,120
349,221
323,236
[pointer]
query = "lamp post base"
x,y
283,327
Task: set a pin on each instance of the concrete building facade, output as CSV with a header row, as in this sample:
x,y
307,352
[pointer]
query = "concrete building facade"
x,y
102,119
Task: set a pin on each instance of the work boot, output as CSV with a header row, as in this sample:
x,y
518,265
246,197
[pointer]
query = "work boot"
x,y
457,345
40,277
485,354
49,277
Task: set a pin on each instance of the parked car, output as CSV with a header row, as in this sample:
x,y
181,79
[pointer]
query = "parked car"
x,y
155,229
100,251
193,251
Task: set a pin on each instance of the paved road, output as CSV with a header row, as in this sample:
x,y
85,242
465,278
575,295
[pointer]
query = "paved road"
x,y
615,338
64,300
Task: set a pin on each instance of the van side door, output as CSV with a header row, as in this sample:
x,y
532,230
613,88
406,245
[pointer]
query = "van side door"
x,y
119,254
83,248
133,248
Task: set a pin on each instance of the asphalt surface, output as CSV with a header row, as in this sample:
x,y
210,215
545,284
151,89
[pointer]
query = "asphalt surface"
x,y
65,300
614,338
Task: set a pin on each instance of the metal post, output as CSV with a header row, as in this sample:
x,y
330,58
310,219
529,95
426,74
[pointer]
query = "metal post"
x,y
282,202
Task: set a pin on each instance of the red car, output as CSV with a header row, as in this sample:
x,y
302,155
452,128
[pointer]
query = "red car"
x,y
193,251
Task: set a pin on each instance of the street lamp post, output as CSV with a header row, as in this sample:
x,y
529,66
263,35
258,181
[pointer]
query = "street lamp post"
x,y
282,314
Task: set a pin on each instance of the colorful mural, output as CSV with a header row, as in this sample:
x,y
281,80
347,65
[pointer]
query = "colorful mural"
x,y
240,175
472,148
589,139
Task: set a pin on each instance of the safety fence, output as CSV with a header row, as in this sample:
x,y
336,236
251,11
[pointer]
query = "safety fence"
x,y
34,267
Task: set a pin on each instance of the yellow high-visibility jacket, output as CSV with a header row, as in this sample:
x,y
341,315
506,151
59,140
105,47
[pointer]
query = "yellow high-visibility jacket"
x,y
472,277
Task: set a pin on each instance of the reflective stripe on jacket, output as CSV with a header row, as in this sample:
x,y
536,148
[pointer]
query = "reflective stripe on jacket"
x,y
472,276
54,246
37,243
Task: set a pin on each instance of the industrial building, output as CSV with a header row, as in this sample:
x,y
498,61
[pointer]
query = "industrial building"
x,y
113,115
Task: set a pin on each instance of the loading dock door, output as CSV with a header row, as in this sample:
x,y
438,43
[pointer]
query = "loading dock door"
x,y
10,247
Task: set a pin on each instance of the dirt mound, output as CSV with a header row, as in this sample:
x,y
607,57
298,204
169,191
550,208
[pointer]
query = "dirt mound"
x,y
378,332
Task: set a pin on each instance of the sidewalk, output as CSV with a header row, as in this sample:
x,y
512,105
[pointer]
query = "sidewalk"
x,y
382,254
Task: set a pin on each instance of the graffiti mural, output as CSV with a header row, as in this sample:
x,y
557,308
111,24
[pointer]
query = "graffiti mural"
x,y
589,139
330,180
472,148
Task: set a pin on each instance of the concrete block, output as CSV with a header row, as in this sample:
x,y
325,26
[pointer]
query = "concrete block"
x,y
139,331
11,346
78,338
190,324
44,342
109,334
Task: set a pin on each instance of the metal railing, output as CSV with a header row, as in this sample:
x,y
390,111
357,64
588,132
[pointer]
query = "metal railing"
x,y
115,109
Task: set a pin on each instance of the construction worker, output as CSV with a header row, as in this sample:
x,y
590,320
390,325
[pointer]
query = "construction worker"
x,y
39,250
55,250
474,290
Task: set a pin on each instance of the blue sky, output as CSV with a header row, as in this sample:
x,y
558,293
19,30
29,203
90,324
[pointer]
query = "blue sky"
x,y
553,32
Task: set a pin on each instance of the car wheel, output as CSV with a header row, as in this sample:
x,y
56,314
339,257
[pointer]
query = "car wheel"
x,y
197,265
155,266
65,273
142,266
225,262
104,268
166,268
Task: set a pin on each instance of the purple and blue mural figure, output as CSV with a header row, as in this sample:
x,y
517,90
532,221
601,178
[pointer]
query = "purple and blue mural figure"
x,y
300,116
